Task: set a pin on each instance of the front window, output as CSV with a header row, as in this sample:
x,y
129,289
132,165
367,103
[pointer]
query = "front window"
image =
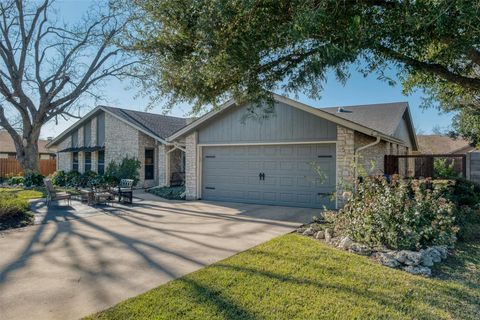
x,y
101,162
88,161
149,166
75,161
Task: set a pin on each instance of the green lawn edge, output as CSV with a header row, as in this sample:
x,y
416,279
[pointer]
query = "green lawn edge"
x,y
295,277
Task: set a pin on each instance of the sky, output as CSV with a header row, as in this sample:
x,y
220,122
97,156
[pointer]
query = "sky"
x,y
357,90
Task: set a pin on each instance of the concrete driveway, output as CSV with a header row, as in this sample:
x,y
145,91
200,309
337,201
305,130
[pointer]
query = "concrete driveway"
x,y
74,264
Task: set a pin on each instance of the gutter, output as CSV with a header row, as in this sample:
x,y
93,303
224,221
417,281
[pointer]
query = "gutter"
x,y
356,152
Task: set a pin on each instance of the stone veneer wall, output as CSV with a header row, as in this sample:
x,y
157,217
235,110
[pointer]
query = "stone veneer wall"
x,y
146,142
371,160
121,140
345,161
191,191
162,154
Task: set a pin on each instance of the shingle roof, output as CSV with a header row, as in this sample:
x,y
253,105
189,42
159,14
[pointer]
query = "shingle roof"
x,y
382,117
7,145
157,124
431,144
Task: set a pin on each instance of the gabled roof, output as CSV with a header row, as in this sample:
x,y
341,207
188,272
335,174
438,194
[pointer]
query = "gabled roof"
x,y
383,117
374,120
7,145
440,144
160,125
157,126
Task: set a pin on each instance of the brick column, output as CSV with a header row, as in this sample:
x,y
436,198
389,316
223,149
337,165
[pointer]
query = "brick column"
x,y
345,162
191,167
162,149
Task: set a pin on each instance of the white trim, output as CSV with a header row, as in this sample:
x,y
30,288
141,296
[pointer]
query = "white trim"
x,y
264,143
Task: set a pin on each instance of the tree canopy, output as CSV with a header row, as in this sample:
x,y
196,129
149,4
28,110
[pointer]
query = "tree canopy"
x,y
205,51
47,66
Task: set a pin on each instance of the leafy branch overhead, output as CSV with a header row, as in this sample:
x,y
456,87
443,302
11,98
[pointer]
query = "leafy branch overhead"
x,y
204,51
47,67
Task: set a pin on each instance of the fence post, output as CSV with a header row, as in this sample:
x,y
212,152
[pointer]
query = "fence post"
x,y
466,164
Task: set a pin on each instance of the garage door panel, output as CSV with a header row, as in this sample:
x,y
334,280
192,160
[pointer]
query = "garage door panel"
x,y
232,174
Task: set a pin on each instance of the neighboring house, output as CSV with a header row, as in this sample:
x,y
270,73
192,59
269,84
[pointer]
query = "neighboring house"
x,y
276,160
109,134
441,144
7,148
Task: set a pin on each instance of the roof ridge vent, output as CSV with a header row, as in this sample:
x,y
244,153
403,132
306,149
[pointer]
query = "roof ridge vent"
x,y
343,110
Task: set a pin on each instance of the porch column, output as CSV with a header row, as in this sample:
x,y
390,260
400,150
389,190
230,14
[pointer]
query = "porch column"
x,y
162,157
191,170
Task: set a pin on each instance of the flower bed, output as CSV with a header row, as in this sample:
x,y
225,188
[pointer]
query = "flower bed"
x,y
170,193
407,224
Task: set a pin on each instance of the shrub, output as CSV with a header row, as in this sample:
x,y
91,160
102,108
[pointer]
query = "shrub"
x,y
15,180
171,193
59,178
32,178
400,214
444,170
13,211
72,179
87,179
126,169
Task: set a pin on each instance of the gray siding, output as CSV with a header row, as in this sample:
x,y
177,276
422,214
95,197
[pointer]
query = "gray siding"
x,y
403,133
101,129
288,124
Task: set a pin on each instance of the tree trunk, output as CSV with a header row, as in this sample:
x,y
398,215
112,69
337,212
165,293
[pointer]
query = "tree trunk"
x,y
28,156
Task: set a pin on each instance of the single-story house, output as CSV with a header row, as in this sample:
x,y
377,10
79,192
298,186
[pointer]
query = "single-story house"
x,y
297,157
109,134
7,148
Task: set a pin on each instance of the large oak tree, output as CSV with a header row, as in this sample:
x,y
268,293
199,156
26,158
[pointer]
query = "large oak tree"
x,y
203,51
48,66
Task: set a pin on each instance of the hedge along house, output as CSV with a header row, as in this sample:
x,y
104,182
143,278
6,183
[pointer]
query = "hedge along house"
x,y
109,134
298,157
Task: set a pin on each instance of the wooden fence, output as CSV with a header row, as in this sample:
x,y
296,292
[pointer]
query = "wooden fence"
x,y
11,166
424,163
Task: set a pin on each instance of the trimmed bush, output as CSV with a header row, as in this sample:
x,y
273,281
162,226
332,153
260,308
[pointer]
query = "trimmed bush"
x,y
13,211
59,178
32,179
170,193
72,179
126,169
400,214
15,180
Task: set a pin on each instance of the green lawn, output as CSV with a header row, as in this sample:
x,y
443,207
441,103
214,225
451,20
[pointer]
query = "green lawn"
x,y
23,194
297,277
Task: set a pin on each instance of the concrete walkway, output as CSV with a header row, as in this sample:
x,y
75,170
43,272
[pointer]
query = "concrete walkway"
x,y
79,261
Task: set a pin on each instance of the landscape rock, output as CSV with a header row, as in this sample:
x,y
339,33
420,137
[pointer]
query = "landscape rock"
x,y
427,260
387,259
308,232
360,249
328,235
422,271
443,250
320,235
435,254
301,230
410,258
345,243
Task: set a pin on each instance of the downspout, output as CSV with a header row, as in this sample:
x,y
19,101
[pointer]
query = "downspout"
x,y
356,152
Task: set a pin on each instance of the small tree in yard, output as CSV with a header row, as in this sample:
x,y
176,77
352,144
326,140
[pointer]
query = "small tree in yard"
x,y
46,67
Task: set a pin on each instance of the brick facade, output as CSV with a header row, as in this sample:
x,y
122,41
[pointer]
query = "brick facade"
x,y
191,176
121,140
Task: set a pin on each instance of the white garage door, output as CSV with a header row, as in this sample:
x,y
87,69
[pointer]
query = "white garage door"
x,y
290,175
